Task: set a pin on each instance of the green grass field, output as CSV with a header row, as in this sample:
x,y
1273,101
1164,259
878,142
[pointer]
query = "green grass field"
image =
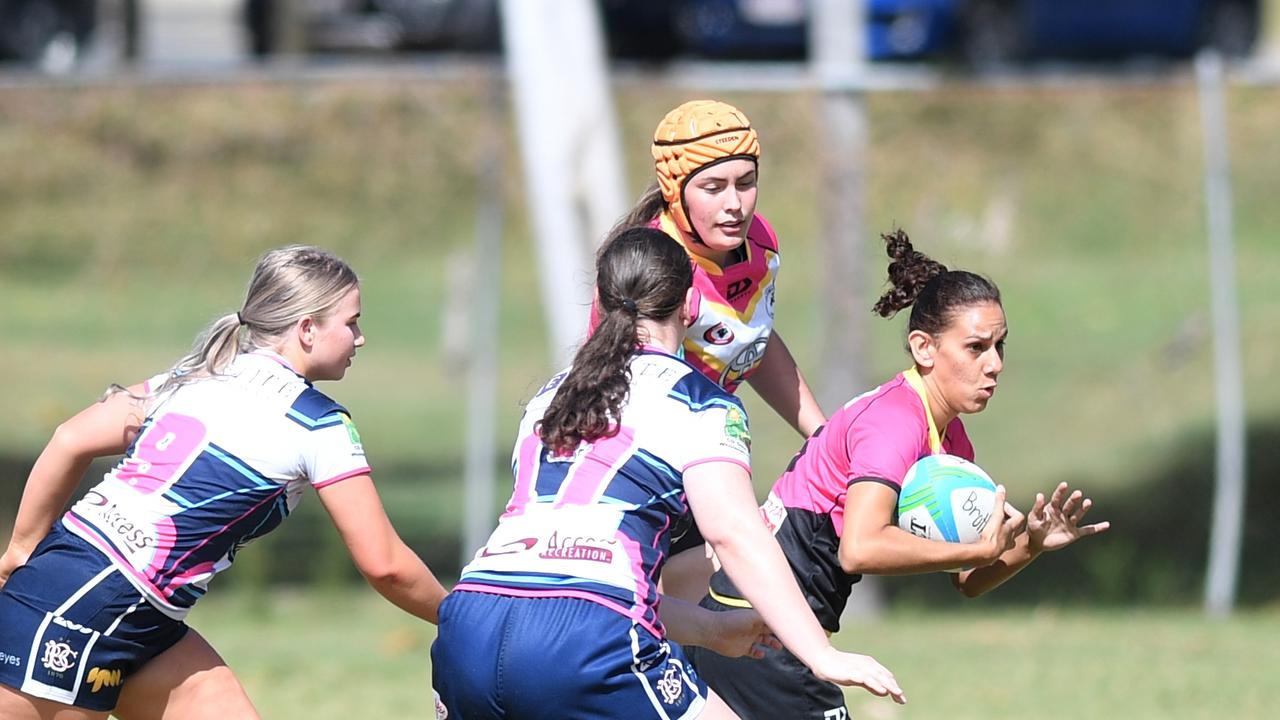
x,y
335,656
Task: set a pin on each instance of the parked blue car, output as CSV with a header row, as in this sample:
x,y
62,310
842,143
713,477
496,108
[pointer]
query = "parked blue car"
x,y
778,29
981,31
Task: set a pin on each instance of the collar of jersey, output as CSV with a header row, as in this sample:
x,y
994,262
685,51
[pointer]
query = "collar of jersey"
x,y
277,357
912,376
648,349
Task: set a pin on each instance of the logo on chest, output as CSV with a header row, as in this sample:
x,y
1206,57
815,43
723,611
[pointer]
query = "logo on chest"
x,y
743,363
737,289
718,334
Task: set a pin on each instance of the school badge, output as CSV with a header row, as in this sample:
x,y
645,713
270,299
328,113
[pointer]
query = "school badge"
x,y
735,428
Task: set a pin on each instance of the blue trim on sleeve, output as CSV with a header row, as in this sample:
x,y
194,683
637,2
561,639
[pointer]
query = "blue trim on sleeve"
x,y
698,392
314,410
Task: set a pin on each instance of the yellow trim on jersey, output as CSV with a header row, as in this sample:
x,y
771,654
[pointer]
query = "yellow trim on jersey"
x,y
726,600
739,603
912,376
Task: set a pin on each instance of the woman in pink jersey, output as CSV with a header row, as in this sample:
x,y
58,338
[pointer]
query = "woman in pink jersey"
x,y
557,616
217,451
833,510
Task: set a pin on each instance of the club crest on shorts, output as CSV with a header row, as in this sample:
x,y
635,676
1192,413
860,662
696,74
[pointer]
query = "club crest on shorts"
x,y
58,656
671,685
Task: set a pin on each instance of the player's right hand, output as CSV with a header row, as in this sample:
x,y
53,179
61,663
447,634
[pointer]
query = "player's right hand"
x,y
1001,532
863,671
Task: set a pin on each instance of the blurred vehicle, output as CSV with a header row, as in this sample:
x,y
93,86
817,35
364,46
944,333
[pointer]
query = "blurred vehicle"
x,y
643,29
1002,30
467,25
49,34
980,31
895,29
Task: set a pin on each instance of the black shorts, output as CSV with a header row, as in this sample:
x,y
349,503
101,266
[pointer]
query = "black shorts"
x,y
775,686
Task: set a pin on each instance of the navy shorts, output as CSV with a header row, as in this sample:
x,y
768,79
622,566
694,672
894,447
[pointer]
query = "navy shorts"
x,y
554,659
73,628
775,686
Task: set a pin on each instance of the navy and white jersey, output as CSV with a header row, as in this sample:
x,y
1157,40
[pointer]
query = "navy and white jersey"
x,y
596,524
218,462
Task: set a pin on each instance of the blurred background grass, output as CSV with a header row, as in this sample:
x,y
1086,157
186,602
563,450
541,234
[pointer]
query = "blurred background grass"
x,y
132,215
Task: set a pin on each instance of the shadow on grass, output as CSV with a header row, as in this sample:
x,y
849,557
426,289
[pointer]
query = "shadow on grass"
x,y
1155,552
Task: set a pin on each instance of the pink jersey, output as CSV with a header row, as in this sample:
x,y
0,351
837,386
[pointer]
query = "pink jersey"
x,y
727,340
875,437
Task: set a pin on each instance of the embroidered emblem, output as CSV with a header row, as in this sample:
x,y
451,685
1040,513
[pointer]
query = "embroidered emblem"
x,y
58,656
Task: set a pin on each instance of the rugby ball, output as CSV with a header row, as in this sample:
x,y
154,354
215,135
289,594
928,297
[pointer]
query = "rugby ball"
x,y
946,498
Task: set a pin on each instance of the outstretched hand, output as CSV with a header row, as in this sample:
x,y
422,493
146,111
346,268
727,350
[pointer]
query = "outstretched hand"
x,y
863,671
1055,524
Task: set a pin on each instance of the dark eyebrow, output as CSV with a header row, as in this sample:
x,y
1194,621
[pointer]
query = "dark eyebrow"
x,y
992,336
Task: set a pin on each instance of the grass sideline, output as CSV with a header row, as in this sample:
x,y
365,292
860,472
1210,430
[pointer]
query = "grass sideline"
x,y
325,656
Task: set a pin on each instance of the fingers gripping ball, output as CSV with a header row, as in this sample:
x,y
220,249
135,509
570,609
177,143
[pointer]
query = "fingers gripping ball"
x,y
946,498
693,136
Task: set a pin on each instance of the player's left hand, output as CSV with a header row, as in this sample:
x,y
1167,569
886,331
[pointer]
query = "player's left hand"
x,y
740,633
1055,523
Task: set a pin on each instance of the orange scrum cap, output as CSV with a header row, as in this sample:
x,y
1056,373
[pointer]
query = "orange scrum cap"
x,y
693,136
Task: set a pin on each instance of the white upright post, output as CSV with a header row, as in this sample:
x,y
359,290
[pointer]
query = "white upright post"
x,y
568,142
482,360
837,52
1229,488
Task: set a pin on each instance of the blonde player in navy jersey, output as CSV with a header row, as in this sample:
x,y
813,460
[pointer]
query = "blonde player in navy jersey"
x,y
217,451
558,615
833,509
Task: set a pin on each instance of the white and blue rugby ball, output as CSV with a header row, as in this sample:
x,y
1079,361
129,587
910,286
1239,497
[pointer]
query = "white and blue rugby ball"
x,y
946,498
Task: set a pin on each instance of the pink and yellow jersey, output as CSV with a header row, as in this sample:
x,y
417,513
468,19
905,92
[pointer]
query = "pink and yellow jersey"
x,y
875,437
596,524
727,340
218,462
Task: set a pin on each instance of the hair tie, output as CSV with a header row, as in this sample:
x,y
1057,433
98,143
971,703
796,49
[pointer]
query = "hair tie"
x,y
629,306
239,318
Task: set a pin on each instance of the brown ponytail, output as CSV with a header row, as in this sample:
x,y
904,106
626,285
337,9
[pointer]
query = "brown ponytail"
x,y
933,292
640,273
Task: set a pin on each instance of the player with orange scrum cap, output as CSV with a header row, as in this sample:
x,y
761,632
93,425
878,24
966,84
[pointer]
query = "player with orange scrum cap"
x,y
706,156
